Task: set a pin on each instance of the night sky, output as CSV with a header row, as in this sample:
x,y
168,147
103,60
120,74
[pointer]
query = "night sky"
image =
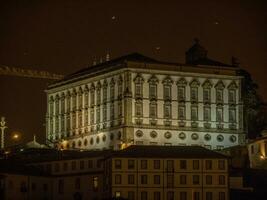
x,y
65,36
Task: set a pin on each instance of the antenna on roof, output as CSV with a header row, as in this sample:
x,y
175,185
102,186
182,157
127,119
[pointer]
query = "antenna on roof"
x,y
107,57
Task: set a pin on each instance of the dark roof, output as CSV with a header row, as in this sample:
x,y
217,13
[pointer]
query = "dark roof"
x,y
121,62
20,169
167,152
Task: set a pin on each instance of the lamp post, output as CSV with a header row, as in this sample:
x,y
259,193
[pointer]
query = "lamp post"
x,y
3,127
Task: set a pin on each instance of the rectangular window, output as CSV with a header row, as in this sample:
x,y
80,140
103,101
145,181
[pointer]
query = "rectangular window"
x,y
167,111
92,116
195,164
232,115
221,180
104,112
196,196
144,195
95,183
208,195
183,195
117,179
167,91
81,164
156,195
131,195
208,179
73,165
130,179
153,110
195,179
219,96
183,179
170,181
181,112
138,90
143,179
221,164
98,114
157,179
57,167
194,113
139,108
181,93
219,115
194,94
170,165
65,166
208,164
92,94
153,91
183,164
117,164
112,114
206,113
221,195
90,164
143,164
130,164
98,96
156,164
170,195
60,186
105,94
232,96
112,92
206,95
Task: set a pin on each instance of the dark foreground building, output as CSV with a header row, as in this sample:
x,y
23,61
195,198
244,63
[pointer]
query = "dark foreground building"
x,y
134,173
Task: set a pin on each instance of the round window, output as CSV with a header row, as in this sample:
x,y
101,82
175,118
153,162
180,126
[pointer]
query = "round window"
x,y
139,133
168,135
207,137
232,138
153,134
194,136
220,138
80,143
182,135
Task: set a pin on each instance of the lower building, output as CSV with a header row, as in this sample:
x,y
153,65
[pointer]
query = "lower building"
x,y
134,173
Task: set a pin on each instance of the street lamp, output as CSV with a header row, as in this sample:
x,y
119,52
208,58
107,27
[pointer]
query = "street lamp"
x,y
3,127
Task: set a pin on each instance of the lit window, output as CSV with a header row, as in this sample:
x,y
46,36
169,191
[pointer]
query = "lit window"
x,y
152,90
153,110
194,113
194,94
181,112
139,108
167,91
219,115
117,194
206,94
206,113
95,183
181,93
167,111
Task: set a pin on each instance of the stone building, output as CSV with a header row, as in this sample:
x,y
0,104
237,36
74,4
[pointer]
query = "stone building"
x,y
143,172
138,100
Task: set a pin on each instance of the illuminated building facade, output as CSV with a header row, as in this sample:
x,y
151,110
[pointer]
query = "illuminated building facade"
x,y
138,100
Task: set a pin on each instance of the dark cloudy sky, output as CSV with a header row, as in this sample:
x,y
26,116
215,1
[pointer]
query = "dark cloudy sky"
x,y
64,36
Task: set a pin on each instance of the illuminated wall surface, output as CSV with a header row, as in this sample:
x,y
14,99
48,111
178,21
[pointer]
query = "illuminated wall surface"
x,y
137,100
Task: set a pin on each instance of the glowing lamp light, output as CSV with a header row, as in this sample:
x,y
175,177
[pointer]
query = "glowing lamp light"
x,y
262,157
